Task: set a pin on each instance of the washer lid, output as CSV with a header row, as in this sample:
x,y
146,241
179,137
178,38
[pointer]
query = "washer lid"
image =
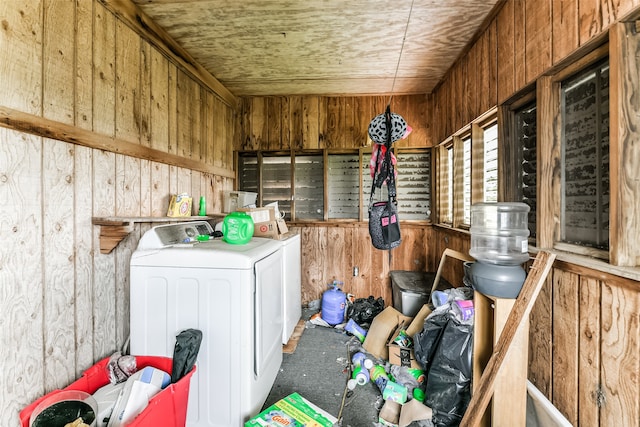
x,y
154,251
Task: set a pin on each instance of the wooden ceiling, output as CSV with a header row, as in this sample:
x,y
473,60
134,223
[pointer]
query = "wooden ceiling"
x,y
322,47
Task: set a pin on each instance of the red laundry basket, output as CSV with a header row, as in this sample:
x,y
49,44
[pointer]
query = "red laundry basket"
x,y
167,408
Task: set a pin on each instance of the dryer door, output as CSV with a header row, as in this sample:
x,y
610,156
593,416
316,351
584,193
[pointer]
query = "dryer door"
x,y
268,304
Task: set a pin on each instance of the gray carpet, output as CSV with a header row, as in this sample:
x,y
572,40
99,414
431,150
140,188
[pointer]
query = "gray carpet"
x,y
318,371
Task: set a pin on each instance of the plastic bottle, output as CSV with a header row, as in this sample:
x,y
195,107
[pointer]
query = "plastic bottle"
x,y
203,207
361,375
418,394
237,228
333,304
379,376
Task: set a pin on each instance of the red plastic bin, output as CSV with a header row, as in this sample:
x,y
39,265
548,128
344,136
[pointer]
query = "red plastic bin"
x,y
167,408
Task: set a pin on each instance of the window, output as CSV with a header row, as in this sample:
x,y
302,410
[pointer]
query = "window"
x,y
343,182
585,158
466,181
414,185
309,185
276,182
490,163
468,170
335,186
525,141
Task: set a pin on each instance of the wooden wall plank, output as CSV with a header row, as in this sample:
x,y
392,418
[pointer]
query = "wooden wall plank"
x,y
104,298
332,130
285,131
127,100
589,355
310,122
296,119
565,343
312,242
565,37
620,357
159,95
183,114
59,313
505,40
21,65
196,121
589,20
274,122
83,258
259,134
207,128
58,54
537,37
22,293
624,152
104,76
540,340
491,94
172,107
84,65
146,100
218,137
520,43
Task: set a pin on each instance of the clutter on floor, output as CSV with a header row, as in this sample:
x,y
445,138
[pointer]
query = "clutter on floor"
x,y
123,390
385,359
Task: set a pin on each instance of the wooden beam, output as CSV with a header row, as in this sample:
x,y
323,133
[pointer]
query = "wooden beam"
x,y
521,309
35,125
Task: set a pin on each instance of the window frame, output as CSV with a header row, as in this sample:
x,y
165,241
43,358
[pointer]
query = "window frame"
x,y
549,153
453,192
363,154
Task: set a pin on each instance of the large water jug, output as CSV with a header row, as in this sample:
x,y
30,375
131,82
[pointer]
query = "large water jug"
x,y
334,302
237,228
500,233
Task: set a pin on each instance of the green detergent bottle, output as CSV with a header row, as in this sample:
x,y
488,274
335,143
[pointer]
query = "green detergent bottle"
x,y
237,228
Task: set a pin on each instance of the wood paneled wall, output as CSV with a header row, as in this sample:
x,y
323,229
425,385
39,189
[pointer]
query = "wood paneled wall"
x,y
526,39
317,122
63,303
584,350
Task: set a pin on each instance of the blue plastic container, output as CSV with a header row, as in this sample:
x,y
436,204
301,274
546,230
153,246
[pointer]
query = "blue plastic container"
x,y
334,302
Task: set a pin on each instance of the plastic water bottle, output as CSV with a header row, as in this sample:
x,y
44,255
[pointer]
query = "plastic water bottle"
x,y
333,305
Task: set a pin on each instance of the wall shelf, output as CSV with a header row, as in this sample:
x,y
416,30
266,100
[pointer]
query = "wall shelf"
x,y
114,229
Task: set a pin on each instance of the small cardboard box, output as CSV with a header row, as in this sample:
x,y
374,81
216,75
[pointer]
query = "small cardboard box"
x,y
179,205
293,410
260,214
401,355
383,325
271,229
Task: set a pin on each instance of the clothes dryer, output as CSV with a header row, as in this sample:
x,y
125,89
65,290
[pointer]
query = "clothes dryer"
x,y
233,294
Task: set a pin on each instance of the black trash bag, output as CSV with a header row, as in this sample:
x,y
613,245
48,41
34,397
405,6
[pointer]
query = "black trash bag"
x,y
363,310
185,353
448,382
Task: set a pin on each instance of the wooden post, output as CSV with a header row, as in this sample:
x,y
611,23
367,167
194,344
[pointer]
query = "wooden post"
x,y
519,313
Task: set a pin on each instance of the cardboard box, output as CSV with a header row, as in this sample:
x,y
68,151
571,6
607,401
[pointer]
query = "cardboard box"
x,y
383,329
271,229
293,410
383,325
402,355
179,206
260,214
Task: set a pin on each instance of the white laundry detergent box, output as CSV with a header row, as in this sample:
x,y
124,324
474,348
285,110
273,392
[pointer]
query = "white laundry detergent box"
x,y
293,411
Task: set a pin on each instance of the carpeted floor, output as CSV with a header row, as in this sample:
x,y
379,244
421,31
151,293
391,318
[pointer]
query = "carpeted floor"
x,y
318,370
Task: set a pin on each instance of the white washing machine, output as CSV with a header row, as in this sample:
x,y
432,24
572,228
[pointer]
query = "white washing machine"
x,y
233,294
291,285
